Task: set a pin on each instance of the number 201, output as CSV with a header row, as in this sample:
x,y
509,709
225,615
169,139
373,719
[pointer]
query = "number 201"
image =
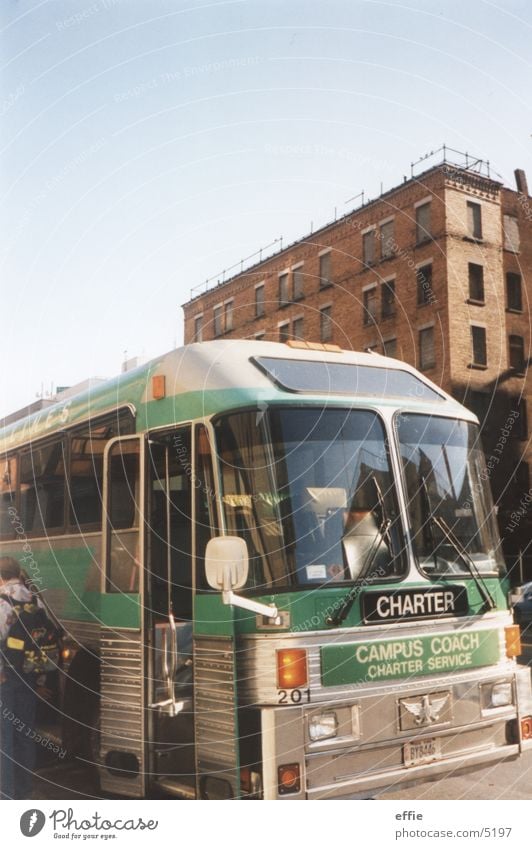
x,y
294,697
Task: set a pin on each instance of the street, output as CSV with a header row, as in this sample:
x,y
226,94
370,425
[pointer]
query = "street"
x,y
511,780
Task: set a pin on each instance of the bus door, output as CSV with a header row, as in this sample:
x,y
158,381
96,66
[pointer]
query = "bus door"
x,y
122,656
215,654
168,609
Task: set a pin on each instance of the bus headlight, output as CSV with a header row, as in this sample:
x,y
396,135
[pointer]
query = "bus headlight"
x,y
501,694
323,726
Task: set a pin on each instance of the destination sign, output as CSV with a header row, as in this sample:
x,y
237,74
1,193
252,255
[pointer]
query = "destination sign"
x,y
410,603
380,660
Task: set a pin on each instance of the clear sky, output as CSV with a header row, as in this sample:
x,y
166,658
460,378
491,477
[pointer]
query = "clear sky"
x,y
148,144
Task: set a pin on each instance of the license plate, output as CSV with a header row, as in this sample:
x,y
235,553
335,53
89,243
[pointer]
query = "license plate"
x,y
419,752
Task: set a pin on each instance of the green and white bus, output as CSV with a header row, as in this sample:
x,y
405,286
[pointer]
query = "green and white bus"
x,y
278,571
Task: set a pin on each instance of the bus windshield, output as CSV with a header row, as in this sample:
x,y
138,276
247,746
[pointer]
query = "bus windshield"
x,y
311,492
449,499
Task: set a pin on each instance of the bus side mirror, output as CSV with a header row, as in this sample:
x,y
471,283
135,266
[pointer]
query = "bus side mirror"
x,y
227,568
226,563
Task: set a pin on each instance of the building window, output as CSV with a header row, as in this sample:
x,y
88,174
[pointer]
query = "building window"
x,y
260,335
478,342
511,233
390,347
370,305
513,292
297,328
284,289
387,239
326,324
423,232
522,478
298,283
259,301
476,282
479,403
425,294
427,357
517,353
218,317
284,332
523,419
368,247
518,412
388,299
228,314
325,270
474,220
198,328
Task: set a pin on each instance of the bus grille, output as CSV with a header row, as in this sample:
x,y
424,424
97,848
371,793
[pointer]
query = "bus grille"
x,y
215,715
121,713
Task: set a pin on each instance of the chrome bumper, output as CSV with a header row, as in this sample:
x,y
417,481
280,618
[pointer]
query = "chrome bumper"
x,y
368,754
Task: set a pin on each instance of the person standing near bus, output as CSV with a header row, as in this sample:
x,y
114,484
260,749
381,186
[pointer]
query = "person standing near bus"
x,y
18,699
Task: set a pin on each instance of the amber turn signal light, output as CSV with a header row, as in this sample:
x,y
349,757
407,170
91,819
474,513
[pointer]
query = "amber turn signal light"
x,y
526,728
158,387
512,635
291,668
289,779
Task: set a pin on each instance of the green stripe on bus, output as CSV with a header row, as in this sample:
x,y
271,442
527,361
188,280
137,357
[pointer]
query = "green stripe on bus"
x,y
406,657
120,610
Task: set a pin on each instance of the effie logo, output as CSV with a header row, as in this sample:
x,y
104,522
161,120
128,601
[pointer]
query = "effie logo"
x,y
32,822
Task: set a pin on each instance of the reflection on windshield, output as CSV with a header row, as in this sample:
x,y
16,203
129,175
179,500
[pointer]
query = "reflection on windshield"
x,y
311,492
445,478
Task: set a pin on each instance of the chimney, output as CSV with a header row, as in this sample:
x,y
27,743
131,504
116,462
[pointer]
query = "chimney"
x,y
520,181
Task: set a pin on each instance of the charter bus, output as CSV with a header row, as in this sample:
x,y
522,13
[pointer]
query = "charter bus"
x,y
278,573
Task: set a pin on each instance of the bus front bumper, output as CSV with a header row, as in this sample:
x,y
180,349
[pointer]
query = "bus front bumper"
x,y
381,744
397,779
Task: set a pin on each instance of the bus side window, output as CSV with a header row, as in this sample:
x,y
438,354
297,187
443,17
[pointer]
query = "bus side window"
x,y
85,478
8,485
206,515
181,526
42,489
124,484
124,511
171,523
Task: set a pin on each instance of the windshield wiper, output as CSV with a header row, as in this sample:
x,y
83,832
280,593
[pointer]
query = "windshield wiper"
x,y
464,555
385,521
347,602
429,520
457,546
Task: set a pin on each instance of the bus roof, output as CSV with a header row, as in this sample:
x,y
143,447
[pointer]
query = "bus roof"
x,y
204,377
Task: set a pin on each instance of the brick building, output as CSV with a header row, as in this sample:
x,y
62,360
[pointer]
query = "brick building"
x,y
436,272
